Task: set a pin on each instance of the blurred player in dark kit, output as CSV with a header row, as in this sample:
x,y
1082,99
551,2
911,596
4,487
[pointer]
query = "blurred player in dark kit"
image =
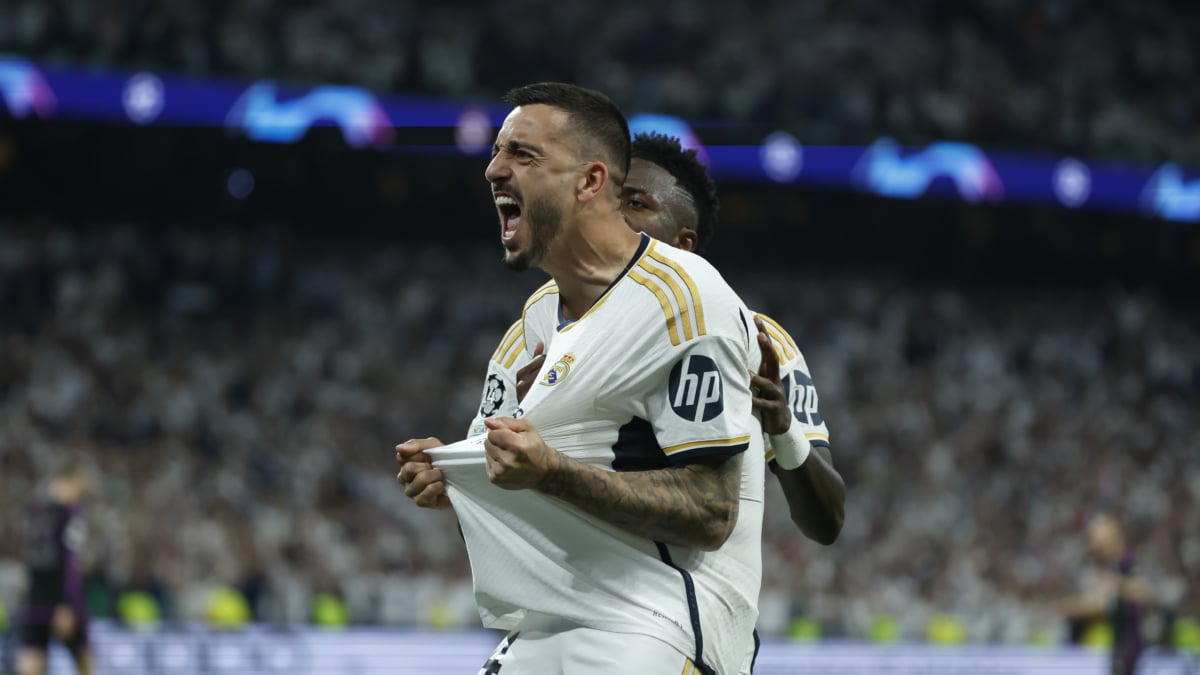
x,y
1113,594
54,538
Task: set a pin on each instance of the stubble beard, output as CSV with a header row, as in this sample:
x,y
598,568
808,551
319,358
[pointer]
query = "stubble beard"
x,y
544,219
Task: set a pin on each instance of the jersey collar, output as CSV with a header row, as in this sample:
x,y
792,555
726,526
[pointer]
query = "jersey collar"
x,y
643,246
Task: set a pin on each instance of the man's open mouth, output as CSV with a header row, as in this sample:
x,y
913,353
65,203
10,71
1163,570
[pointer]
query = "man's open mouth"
x,y
510,216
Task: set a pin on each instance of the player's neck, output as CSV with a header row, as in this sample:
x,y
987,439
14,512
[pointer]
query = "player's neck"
x,y
588,259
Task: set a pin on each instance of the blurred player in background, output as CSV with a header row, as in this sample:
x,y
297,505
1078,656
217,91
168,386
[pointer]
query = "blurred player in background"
x,y
1112,593
54,539
653,570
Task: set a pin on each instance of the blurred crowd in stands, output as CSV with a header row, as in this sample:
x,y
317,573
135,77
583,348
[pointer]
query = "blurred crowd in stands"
x,y
238,394
1111,79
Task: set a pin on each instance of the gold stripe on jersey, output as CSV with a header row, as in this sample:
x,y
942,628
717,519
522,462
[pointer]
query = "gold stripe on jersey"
x,y
512,356
687,280
706,444
672,327
781,346
689,668
778,349
604,298
548,288
783,333
684,313
506,342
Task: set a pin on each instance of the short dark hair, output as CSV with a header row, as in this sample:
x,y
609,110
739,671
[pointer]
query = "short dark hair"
x,y
593,115
692,176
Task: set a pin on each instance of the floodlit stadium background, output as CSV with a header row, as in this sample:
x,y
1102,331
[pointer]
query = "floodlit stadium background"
x,y
246,248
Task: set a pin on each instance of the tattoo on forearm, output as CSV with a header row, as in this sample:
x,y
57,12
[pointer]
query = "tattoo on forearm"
x,y
694,505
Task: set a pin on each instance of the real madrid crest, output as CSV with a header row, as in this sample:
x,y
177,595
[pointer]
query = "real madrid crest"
x,y
559,370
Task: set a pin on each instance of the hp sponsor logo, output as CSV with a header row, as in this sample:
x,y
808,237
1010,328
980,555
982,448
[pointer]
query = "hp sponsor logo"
x,y
695,390
802,397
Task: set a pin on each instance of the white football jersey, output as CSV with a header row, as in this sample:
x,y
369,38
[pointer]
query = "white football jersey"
x,y
653,375
541,311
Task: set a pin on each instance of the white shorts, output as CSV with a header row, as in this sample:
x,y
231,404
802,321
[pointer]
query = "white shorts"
x,y
585,651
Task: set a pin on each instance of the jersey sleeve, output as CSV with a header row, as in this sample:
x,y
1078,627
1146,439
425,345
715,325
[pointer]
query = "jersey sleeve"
x,y
807,422
499,395
704,409
516,348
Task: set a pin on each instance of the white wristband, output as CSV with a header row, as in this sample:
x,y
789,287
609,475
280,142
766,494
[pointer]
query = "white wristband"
x,y
791,448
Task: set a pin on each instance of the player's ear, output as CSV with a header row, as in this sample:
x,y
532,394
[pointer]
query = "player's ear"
x,y
686,239
593,182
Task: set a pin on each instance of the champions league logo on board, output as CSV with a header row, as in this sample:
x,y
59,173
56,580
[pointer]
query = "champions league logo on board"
x,y
885,170
24,91
267,114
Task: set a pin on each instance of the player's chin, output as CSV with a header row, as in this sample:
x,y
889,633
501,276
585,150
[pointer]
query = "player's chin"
x,y
516,259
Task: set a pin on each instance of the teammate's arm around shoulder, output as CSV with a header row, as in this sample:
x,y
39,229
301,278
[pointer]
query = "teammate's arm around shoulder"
x,y
787,403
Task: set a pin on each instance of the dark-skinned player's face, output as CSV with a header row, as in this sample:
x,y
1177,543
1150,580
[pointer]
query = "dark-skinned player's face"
x,y
653,202
532,174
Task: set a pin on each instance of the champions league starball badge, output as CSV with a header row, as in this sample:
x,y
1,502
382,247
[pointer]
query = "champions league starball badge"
x,y
493,396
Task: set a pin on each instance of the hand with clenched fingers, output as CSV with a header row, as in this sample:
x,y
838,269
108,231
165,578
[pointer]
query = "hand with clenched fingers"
x,y
423,483
517,457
